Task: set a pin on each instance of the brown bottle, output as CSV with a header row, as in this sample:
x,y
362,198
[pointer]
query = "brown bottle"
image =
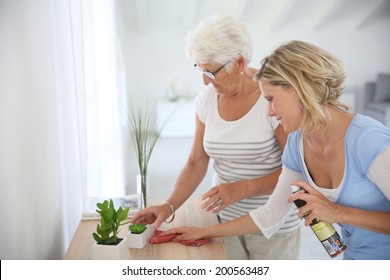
x,y
325,232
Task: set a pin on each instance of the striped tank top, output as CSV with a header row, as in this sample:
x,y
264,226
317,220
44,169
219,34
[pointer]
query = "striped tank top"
x,y
243,149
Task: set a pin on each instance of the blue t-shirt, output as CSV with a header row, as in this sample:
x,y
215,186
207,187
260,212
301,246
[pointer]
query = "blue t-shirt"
x,y
364,140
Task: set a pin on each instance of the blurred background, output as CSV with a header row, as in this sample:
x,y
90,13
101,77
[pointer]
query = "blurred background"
x,y
70,67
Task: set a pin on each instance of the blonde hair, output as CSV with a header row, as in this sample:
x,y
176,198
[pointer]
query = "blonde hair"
x,y
316,75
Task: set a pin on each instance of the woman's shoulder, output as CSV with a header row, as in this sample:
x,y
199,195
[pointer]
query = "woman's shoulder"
x,y
366,138
363,123
205,102
366,128
206,95
291,153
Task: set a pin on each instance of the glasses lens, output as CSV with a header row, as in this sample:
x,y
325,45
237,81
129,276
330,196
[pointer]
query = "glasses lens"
x,y
206,73
209,75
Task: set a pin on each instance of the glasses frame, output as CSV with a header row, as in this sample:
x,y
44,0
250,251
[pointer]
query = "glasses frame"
x,y
209,74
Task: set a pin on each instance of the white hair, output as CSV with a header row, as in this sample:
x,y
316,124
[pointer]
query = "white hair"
x,y
219,39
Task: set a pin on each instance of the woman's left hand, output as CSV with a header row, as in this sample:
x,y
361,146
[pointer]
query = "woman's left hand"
x,y
221,196
319,206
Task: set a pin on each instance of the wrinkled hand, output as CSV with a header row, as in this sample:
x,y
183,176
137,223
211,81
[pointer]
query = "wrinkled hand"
x,y
319,206
186,233
221,196
153,214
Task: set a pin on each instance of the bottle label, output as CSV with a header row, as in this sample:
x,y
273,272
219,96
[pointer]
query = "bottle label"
x,y
328,247
334,245
323,230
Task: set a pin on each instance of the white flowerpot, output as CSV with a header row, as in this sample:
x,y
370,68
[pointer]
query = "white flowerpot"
x,y
138,241
111,252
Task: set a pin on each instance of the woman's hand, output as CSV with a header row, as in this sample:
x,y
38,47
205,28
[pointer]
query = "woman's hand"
x,y
153,214
221,196
318,206
187,233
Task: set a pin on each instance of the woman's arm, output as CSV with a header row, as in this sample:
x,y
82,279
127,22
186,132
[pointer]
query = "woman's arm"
x,y
379,174
188,180
268,218
239,226
194,170
370,220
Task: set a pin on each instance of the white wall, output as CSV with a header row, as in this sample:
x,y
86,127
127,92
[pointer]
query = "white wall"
x,y
156,58
35,199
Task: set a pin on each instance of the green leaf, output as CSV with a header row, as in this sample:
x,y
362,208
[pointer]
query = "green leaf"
x,y
137,228
96,237
110,221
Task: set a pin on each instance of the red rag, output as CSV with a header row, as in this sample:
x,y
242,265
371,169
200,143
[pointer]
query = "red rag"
x,y
158,238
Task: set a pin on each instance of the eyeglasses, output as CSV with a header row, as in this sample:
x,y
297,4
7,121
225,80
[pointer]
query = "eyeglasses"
x,y
209,74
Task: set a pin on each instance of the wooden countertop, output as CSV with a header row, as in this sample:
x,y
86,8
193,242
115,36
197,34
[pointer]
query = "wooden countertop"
x,y
190,214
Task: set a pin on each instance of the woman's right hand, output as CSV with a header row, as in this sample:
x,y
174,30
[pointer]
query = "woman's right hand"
x,y
187,233
153,214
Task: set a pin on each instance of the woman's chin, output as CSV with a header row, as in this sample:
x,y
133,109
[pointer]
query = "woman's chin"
x,y
285,127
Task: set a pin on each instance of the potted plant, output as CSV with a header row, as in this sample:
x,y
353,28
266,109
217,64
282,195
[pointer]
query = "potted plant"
x,y
109,245
138,236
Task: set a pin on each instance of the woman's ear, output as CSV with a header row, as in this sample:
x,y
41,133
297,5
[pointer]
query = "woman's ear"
x,y
241,63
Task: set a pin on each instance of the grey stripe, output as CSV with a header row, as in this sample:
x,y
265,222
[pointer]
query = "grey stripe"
x,y
240,171
235,163
244,153
231,176
239,143
267,142
237,149
261,150
254,167
253,164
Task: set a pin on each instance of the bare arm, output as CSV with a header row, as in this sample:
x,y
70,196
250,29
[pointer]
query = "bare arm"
x,y
240,226
188,180
194,170
281,135
370,220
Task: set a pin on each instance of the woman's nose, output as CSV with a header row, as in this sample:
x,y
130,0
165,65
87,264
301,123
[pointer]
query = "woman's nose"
x,y
271,111
206,80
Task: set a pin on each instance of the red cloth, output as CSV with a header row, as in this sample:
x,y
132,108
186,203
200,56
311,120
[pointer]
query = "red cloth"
x,y
158,238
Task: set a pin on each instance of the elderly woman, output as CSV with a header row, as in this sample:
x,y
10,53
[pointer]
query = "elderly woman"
x,y
341,160
234,129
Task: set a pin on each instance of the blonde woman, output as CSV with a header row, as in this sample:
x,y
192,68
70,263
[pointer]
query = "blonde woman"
x,y
232,128
341,159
